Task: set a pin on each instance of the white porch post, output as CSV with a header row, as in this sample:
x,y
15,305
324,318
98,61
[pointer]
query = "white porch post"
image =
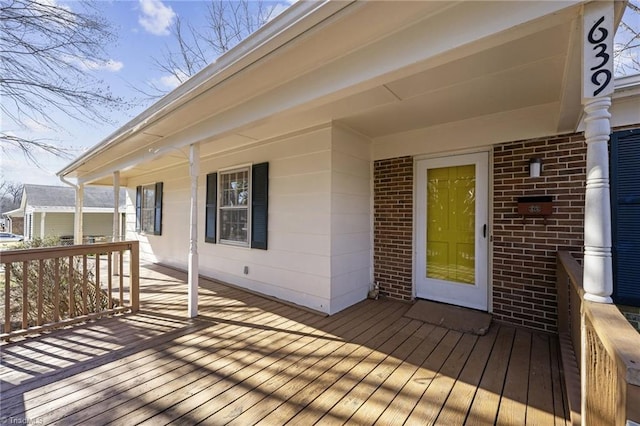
x,y
116,220
194,165
597,87
77,227
43,216
116,206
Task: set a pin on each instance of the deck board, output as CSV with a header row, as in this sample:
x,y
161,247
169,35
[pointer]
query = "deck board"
x,y
378,402
513,403
409,395
371,381
455,410
432,401
540,395
251,360
486,402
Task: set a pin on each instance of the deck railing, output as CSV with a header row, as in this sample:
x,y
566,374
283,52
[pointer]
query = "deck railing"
x,y
50,287
607,391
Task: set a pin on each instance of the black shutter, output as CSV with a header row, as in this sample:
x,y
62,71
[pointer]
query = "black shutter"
x,y
211,208
625,197
259,205
157,224
138,208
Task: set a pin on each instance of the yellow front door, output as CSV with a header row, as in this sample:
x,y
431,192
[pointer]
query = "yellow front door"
x,y
451,229
451,205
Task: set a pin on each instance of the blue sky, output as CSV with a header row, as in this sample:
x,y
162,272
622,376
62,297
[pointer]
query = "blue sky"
x,y
143,30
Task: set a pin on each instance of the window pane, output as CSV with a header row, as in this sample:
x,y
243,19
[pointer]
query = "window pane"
x,y
451,224
234,188
147,220
233,225
148,198
147,217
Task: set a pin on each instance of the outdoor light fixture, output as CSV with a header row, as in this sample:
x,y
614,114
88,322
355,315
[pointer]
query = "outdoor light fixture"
x,y
535,167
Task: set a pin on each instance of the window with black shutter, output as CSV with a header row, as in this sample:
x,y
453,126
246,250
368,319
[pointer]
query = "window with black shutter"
x,y
236,208
149,208
211,211
259,205
625,206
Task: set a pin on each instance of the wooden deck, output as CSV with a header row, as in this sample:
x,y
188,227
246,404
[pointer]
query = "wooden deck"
x,y
250,360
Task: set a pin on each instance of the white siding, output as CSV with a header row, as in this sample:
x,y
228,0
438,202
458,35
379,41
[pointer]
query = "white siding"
x,y
297,265
55,224
36,220
98,224
351,255
319,248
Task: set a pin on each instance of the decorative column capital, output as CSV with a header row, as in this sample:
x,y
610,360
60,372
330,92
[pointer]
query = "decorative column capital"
x,y
597,50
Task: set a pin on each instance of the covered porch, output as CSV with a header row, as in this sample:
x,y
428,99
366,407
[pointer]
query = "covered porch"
x,y
247,359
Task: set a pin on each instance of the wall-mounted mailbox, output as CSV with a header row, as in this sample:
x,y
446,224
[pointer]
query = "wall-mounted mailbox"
x,y
535,206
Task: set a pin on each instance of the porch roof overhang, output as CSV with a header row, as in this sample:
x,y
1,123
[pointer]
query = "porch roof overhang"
x,y
380,68
19,212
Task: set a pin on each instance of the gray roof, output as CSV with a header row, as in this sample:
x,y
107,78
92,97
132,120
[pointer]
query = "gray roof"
x,y
64,196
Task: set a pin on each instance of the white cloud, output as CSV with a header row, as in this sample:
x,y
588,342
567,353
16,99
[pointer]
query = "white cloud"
x,y
156,18
171,81
110,65
15,168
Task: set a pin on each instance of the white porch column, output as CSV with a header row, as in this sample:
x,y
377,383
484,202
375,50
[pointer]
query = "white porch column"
x,y
43,215
598,269
77,227
116,220
194,165
116,206
597,87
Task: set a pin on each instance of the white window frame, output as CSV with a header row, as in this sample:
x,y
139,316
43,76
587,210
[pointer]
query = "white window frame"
x,y
144,208
220,207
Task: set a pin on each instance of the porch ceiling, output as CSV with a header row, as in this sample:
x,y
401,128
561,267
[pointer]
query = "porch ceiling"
x,y
432,63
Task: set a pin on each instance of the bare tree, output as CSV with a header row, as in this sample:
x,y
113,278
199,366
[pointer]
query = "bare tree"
x,y
228,23
10,195
47,54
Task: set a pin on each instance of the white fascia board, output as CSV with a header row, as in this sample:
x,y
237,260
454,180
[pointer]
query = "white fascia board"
x,y
42,209
626,86
297,19
19,212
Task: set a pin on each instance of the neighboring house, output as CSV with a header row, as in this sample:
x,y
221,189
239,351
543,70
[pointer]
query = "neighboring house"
x,y
352,143
48,211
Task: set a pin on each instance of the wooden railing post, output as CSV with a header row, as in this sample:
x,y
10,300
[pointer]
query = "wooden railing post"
x,y
569,279
608,348
40,295
134,274
25,295
7,298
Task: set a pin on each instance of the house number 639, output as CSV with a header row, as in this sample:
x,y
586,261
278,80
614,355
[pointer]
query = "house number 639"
x,y
600,46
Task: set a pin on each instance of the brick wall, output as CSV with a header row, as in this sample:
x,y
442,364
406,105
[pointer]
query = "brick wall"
x,y
524,250
393,227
